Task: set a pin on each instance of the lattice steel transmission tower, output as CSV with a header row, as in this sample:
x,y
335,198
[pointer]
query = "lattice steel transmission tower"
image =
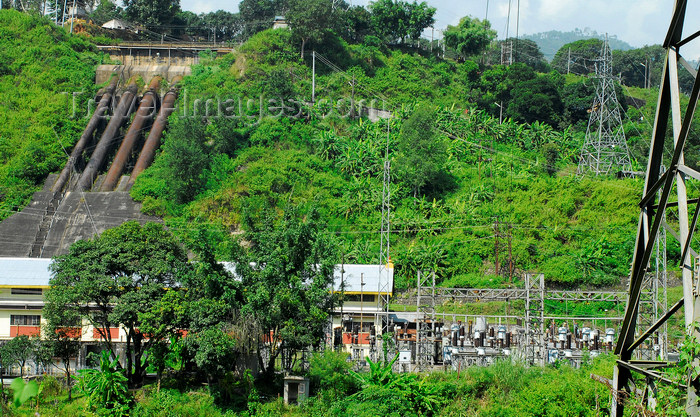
x,y
385,264
653,303
655,203
425,321
534,319
605,148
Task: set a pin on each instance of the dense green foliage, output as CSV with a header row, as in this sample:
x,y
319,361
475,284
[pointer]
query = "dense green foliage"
x,y
136,265
41,67
397,20
17,351
286,276
105,388
213,169
520,174
505,389
151,13
470,37
309,20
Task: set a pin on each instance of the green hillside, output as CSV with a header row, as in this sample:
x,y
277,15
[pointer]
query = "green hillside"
x,y
479,181
42,71
468,193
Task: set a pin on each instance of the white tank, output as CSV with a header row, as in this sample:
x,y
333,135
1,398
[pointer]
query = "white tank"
x,y
480,324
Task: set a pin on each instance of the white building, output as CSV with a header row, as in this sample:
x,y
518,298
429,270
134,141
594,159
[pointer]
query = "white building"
x,y
24,280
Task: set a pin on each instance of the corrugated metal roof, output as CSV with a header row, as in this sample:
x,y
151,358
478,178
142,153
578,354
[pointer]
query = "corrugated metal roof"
x,y
19,272
357,277
25,272
363,278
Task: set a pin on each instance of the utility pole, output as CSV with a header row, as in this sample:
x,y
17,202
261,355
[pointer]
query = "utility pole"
x,y
510,59
313,77
352,97
510,253
568,63
63,15
647,74
605,149
495,246
517,30
386,268
72,19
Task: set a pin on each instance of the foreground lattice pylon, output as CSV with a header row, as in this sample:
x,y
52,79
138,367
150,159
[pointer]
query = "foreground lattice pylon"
x,y
605,148
658,187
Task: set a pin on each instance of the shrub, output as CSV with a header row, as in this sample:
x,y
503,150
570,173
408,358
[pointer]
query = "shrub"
x,y
106,388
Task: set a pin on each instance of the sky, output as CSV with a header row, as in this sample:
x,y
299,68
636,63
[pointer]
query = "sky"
x,y
637,22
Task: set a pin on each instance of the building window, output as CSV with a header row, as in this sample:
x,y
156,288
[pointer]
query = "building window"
x,y
26,291
25,320
367,298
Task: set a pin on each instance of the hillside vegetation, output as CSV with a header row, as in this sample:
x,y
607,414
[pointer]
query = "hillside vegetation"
x,y
456,181
503,389
468,192
41,67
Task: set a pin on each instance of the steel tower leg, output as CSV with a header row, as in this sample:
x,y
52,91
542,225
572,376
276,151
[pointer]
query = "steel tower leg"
x,y
651,218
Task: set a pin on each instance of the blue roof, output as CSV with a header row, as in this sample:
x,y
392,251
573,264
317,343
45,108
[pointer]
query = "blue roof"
x,y
25,272
34,272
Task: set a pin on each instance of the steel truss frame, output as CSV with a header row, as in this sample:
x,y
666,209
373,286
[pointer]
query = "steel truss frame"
x,y
425,321
654,204
508,294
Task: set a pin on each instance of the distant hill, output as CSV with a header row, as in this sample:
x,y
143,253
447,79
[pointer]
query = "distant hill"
x,y
550,42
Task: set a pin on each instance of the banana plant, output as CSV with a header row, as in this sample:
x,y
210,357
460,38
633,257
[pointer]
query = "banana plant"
x,y
23,392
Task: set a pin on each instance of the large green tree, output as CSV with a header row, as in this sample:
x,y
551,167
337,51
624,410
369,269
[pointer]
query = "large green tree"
x,y
106,11
422,153
578,57
634,64
259,14
497,84
287,274
223,25
114,279
396,20
353,24
537,99
17,351
310,20
152,13
470,37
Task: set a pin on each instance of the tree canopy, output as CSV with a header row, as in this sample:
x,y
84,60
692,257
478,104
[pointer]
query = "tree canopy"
x,y
17,351
106,11
577,57
151,13
524,50
537,99
396,20
287,275
422,152
112,280
310,19
258,14
470,37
